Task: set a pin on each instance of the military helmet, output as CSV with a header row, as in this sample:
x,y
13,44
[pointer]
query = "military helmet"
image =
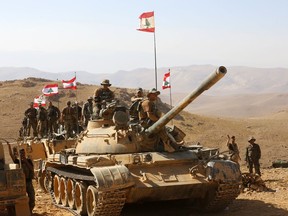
x,y
106,82
90,98
139,90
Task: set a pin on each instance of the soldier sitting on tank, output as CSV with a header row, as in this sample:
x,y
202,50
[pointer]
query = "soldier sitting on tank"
x,y
102,94
28,169
135,107
149,114
31,114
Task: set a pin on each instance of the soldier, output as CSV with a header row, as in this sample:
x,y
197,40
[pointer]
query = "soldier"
x,y
253,154
68,117
87,110
42,121
28,170
103,94
233,149
136,103
53,116
31,114
149,114
78,116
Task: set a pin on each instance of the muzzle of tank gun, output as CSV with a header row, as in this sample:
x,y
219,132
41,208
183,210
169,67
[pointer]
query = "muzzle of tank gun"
x,y
205,85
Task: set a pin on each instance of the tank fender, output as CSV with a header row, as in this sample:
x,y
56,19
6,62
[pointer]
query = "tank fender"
x,y
223,171
112,177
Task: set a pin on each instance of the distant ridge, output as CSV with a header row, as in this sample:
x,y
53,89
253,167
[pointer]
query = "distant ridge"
x,y
239,79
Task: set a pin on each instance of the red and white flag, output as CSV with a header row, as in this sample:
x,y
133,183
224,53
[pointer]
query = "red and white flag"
x,y
50,89
147,23
70,84
166,81
39,100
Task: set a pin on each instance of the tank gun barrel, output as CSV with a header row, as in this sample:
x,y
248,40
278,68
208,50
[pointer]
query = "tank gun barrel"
x,y
206,84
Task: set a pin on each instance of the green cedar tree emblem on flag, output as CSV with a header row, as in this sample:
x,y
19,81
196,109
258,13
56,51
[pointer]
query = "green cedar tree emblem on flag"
x,y
50,90
147,23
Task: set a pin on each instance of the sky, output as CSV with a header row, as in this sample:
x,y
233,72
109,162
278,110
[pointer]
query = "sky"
x,y
101,37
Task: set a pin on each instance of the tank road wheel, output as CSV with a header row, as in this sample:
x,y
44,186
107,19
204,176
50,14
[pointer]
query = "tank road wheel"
x,y
70,193
56,189
63,191
80,198
91,200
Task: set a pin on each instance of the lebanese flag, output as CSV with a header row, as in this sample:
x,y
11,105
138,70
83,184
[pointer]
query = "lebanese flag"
x,y
147,23
70,84
50,89
39,100
166,81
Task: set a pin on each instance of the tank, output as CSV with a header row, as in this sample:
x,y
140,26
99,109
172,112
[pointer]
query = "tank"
x,y
117,162
12,183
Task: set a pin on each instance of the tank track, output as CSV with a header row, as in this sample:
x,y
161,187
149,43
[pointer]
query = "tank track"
x,y
110,203
224,195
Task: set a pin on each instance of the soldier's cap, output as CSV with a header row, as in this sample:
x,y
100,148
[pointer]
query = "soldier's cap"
x,y
251,138
90,98
31,103
233,137
105,82
68,102
153,91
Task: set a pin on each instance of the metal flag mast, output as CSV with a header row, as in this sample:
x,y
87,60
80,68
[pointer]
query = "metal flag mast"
x,y
155,61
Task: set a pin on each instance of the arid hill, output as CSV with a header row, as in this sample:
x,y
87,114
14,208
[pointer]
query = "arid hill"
x,y
270,132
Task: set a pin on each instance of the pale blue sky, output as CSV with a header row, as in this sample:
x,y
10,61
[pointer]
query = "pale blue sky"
x,y
101,37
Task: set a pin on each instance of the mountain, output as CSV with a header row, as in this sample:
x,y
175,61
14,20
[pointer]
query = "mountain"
x,y
238,80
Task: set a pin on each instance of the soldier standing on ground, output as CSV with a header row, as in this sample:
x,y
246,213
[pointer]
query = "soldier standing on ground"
x,y
78,117
68,118
253,154
28,170
53,115
87,110
233,149
103,94
31,114
42,121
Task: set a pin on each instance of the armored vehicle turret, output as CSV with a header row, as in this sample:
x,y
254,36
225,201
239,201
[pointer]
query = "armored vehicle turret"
x,y
12,183
117,162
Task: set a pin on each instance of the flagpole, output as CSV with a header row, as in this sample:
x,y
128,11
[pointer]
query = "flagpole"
x,y
77,114
170,94
155,60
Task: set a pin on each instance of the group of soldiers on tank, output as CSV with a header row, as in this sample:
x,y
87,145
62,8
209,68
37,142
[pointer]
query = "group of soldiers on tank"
x,y
252,154
46,122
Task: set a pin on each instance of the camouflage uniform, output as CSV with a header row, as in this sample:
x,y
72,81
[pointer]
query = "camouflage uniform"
x,y
101,95
149,114
53,115
136,104
28,169
31,114
87,111
68,117
77,116
253,154
42,121
233,150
